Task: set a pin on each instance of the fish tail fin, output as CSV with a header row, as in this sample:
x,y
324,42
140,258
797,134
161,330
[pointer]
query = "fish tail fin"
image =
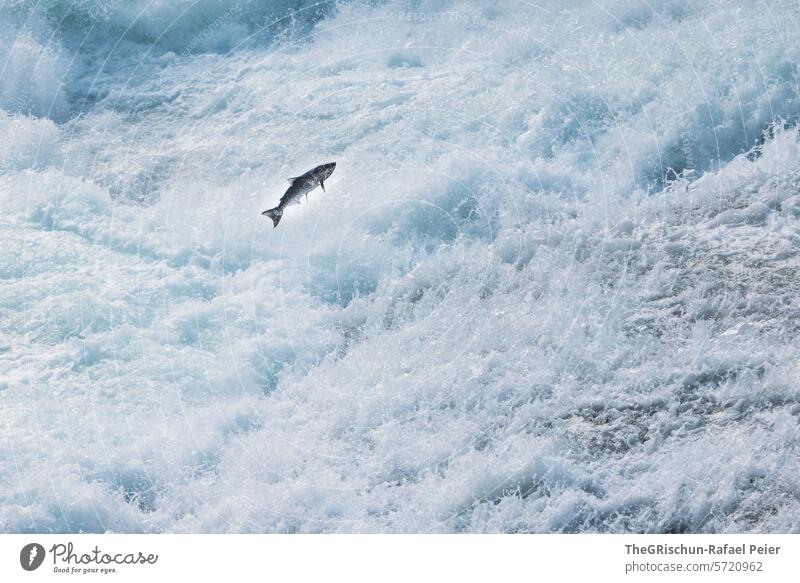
x,y
275,214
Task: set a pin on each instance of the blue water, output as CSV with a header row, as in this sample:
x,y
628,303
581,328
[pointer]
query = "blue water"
x,y
551,287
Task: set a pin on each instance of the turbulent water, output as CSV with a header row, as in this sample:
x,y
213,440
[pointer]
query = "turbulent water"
x,y
552,286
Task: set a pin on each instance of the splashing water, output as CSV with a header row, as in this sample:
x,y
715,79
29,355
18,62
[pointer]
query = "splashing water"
x,y
552,285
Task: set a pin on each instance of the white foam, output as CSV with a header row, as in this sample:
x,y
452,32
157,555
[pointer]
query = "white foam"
x,y
547,288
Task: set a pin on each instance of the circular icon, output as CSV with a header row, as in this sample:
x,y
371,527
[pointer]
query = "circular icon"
x,y
31,556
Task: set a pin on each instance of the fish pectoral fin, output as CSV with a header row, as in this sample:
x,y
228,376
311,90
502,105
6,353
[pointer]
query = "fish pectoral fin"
x,y
322,184
306,197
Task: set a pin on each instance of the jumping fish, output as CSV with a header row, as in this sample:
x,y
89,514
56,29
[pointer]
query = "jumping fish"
x,y
300,186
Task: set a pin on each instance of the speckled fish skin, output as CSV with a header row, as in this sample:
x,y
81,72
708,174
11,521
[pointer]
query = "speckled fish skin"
x,y
301,186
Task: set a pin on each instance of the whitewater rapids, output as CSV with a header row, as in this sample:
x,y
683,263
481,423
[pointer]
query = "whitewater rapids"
x,y
552,286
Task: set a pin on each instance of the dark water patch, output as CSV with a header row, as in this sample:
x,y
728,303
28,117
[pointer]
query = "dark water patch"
x,y
137,488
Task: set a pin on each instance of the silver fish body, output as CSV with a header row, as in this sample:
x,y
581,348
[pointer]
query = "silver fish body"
x,y
300,186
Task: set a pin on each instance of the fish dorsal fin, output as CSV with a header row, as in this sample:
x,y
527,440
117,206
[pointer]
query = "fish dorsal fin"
x,y
292,179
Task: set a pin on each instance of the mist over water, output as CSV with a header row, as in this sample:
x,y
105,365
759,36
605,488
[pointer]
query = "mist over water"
x,y
551,287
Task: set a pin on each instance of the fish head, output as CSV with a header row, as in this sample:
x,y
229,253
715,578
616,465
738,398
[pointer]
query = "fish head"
x,y
323,171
